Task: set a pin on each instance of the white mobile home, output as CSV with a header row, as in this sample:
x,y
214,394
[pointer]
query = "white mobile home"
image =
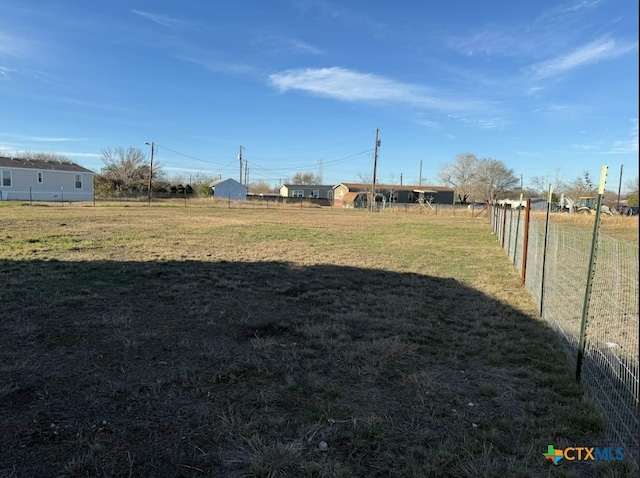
x,y
42,180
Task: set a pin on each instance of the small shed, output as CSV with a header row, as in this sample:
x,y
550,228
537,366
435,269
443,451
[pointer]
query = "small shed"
x,y
229,189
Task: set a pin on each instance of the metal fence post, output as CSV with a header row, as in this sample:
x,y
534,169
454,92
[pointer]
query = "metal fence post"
x,y
592,261
504,224
544,250
515,244
525,245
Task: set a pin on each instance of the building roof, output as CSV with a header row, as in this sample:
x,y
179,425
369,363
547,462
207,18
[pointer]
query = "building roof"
x,y
350,197
218,181
308,186
395,187
49,165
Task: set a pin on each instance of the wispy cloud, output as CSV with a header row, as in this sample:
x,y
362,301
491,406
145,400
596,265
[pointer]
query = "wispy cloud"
x,y
13,46
79,155
629,145
491,42
278,44
332,12
482,122
4,71
40,139
534,90
348,85
596,51
302,47
561,11
564,110
218,66
164,20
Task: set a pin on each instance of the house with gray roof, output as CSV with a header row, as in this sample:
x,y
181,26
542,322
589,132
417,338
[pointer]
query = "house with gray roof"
x,y
24,179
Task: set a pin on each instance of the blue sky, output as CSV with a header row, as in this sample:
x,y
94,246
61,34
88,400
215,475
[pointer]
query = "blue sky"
x,y
549,88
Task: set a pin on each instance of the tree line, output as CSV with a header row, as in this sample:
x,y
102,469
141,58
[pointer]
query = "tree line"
x,y
485,180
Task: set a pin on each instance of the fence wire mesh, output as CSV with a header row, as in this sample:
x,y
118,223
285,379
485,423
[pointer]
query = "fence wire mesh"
x,y
557,280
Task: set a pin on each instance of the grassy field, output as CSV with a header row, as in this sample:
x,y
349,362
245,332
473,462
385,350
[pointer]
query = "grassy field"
x,y
200,341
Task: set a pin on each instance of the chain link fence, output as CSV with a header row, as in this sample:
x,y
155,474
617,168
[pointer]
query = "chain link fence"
x,y
556,275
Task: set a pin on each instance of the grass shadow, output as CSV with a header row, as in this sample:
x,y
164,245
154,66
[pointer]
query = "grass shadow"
x,y
185,368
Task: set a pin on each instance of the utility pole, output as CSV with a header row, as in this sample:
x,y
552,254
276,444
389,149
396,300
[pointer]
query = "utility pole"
x,y
246,173
521,183
375,166
240,159
400,179
619,188
152,144
420,179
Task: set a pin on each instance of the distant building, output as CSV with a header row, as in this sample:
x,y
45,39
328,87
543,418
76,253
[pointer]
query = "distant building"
x,y
44,180
229,189
357,194
309,191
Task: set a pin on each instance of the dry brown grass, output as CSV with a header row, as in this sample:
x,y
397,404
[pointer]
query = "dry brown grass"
x,y
625,228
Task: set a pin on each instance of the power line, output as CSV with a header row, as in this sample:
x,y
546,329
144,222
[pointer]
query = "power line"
x,y
269,173
309,166
194,157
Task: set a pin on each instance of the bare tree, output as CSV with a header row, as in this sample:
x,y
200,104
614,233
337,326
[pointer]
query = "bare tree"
x,y
580,187
539,184
260,187
493,179
365,178
632,191
128,169
304,178
460,175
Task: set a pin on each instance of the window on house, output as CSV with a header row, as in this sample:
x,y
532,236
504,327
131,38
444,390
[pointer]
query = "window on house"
x,y
78,181
315,193
297,193
5,175
40,178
